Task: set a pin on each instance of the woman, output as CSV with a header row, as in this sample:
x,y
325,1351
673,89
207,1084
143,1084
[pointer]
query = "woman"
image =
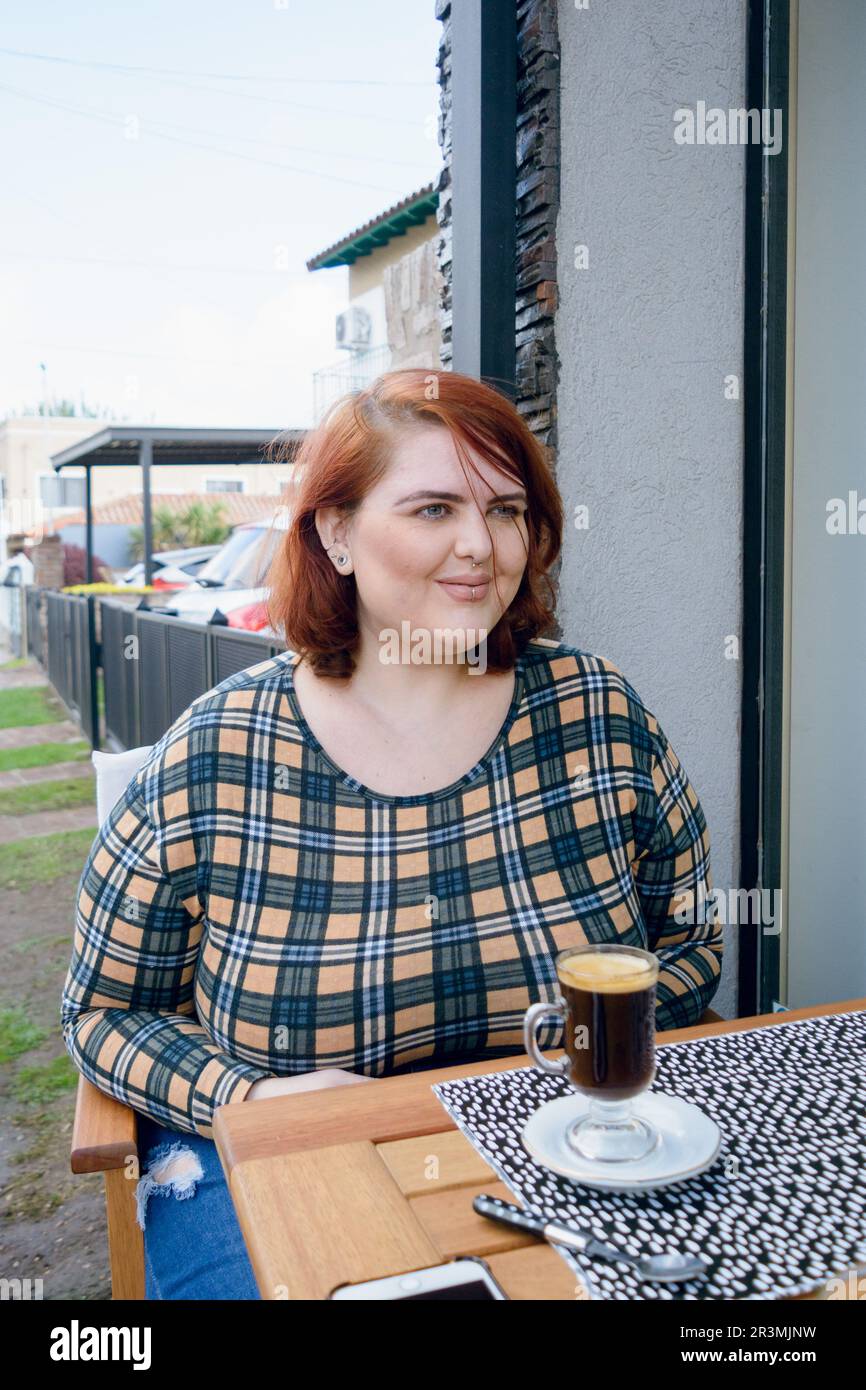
x,y
362,856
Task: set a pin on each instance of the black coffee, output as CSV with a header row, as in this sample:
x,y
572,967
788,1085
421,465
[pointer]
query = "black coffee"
x,y
613,998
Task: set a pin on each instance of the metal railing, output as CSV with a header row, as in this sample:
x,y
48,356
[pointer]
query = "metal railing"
x,y
70,657
353,373
153,666
33,622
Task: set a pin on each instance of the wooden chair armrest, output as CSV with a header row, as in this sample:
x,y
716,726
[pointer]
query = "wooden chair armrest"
x,y
710,1016
105,1132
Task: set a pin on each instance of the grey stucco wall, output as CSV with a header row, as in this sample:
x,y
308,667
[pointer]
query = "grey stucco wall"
x,y
646,337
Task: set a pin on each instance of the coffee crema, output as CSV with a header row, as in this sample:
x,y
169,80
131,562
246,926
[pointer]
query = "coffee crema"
x,y
607,973
610,1023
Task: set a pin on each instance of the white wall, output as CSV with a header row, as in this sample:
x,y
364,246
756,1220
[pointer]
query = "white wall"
x,y
826,888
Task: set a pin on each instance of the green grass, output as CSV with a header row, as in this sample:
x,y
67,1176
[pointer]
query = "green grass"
x,y
47,796
43,1082
41,858
28,1200
40,943
27,706
15,664
43,754
18,1034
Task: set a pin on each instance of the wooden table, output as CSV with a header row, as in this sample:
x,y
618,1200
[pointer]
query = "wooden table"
x,y
358,1182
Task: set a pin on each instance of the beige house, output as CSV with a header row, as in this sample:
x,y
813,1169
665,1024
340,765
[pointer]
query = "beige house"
x,y
31,491
391,317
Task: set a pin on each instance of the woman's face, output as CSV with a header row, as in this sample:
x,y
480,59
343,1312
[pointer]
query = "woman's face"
x,y
418,530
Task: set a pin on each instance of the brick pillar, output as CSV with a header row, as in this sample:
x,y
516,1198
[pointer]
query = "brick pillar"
x,y
47,559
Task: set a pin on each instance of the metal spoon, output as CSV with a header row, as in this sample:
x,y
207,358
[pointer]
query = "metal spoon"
x,y
664,1269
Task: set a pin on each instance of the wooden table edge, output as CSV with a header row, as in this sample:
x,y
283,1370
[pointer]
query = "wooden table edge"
x,y
404,1106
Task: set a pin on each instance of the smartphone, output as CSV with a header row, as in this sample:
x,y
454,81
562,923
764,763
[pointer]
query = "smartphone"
x,y
467,1278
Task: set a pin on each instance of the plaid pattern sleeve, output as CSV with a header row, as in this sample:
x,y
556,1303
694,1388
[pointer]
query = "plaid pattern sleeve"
x,y
673,878
127,1010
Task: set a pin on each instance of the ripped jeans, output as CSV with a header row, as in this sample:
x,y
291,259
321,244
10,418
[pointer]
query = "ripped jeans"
x,y
193,1247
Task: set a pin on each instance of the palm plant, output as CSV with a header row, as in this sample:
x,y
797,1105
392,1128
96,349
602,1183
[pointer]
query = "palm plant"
x,y
200,523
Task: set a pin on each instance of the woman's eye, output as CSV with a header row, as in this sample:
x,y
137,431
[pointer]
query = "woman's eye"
x,y
503,507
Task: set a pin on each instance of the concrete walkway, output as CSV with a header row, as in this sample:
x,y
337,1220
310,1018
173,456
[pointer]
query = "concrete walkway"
x,y
23,776
24,676
47,823
24,735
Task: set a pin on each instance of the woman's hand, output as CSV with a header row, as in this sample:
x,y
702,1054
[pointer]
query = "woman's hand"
x,y
269,1086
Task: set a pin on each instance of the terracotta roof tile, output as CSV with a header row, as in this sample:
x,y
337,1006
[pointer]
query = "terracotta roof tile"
x,y
127,511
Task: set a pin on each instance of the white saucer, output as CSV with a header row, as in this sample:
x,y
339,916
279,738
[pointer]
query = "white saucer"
x,y
689,1142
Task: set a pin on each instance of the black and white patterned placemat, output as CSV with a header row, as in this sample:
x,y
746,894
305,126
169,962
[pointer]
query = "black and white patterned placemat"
x,y
780,1211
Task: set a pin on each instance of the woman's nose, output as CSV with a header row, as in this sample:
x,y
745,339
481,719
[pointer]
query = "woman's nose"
x,y
474,544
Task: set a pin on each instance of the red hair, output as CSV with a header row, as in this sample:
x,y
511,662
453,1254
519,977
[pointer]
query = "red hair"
x,y
347,454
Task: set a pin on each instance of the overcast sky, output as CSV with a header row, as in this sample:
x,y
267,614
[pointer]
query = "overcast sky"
x,y
155,224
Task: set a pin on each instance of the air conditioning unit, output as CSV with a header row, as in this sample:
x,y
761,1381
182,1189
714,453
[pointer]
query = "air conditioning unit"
x,y
354,329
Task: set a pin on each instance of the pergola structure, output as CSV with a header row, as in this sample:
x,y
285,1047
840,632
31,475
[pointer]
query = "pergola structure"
x,y
149,446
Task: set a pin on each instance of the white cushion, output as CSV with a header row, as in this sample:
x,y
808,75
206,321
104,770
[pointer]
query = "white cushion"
x,y
114,772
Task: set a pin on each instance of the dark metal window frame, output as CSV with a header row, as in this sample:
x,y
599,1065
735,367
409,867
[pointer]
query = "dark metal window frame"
x,y
764,395
483,197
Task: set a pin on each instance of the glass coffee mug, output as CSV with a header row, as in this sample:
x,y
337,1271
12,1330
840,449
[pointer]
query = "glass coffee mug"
x,y
607,1003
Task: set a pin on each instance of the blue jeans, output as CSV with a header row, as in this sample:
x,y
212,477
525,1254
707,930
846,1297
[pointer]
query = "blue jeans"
x,y
193,1246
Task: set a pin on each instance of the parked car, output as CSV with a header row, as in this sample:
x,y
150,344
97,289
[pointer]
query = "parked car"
x,y
253,617
233,581
173,568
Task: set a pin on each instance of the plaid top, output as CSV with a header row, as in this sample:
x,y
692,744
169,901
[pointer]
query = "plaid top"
x,y
248,909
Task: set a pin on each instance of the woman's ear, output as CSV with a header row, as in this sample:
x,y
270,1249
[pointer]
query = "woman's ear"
x,y
330,524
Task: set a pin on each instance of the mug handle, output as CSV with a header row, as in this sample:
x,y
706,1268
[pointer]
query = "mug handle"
x,y
533,1016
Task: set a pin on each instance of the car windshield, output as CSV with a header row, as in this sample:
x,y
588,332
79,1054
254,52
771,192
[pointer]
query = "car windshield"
x,y
252,565
221,565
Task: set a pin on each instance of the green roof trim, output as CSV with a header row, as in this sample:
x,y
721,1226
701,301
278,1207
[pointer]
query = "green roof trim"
x,y
412,212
